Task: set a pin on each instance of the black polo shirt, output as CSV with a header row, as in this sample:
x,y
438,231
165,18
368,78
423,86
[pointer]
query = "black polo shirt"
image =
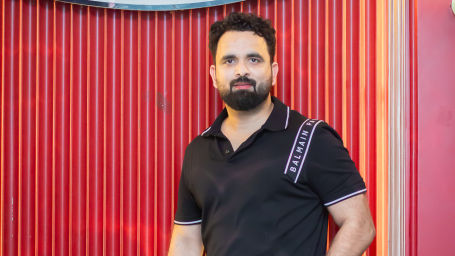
x,y
268,197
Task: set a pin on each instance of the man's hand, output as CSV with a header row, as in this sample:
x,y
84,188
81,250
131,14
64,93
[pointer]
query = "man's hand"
x,y
186,241
356,227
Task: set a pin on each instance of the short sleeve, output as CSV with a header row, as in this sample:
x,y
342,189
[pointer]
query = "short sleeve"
x,y
330,171
188,212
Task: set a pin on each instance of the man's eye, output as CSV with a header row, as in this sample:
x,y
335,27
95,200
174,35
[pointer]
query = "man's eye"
x,y
229,61
255,60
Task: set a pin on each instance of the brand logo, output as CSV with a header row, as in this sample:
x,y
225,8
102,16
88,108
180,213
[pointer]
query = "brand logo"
x,y
300,148
152,5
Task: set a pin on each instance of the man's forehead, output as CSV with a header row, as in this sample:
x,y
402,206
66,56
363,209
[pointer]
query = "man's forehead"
x,y
241,42
241,38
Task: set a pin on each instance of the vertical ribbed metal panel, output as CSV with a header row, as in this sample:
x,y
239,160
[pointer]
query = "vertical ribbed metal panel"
x,y
397,127
98,105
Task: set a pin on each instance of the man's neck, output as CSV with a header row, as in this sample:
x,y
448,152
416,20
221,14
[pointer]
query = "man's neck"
x,y
248,121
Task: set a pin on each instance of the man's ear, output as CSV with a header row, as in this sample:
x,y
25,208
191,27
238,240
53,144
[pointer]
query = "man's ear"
x,y
213,75
274,72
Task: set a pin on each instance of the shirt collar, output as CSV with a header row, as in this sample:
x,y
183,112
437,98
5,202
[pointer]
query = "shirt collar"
x,y
278,120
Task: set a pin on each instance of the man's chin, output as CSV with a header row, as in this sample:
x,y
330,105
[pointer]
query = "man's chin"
x,y
244,100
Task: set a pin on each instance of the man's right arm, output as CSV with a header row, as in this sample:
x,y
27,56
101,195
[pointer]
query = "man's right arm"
x,y
186,241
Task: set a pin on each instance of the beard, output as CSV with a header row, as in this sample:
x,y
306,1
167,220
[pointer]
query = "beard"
x,y
244,100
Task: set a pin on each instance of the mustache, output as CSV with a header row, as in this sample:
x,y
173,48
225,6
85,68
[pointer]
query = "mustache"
x,y
243,79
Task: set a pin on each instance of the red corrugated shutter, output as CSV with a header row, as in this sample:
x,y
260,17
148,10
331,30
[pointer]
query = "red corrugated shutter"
x,y
98,105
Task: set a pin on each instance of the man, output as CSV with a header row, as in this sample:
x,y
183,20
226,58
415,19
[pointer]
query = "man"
x,y
262,178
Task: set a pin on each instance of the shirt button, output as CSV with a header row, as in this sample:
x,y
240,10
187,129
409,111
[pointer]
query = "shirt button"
x,y
227,151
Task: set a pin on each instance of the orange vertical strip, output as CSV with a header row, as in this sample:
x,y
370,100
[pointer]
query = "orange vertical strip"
x,y
343,87
381,126
292,54
87,222
104,133
139,51
309,61
155,197
36,127
173,115
54,73
385,126
2,127
70,192
259,7
326,65
19,203
122,114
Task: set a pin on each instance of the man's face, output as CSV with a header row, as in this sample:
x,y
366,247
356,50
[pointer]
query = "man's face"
x,y
243,74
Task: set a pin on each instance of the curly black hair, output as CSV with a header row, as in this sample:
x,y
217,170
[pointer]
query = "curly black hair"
x,y
238,21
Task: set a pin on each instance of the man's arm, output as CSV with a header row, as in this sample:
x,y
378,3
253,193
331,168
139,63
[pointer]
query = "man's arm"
x,y
186,241
356,227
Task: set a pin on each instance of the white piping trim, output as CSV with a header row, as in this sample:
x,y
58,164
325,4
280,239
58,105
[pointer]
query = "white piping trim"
x,y
306,151
287,119
293,146
187,222
206,130
345,197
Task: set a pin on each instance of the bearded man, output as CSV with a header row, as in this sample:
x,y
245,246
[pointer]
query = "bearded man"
x,y
262,179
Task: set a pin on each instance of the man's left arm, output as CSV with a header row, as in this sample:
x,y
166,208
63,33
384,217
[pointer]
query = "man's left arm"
x,y
357,229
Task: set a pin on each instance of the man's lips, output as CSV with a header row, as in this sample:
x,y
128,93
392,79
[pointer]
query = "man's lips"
x,y
242,85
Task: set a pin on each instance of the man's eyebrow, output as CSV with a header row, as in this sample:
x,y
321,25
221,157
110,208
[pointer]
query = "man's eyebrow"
x,y
229,56
254,55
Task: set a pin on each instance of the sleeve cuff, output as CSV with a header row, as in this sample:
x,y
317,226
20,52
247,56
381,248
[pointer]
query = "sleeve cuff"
x,y
345,197
187,222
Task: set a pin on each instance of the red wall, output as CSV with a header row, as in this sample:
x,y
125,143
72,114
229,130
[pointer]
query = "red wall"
x,y
97,107
436,113
96,110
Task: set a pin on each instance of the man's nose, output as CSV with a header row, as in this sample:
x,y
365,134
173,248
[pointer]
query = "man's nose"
x,y
242,69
